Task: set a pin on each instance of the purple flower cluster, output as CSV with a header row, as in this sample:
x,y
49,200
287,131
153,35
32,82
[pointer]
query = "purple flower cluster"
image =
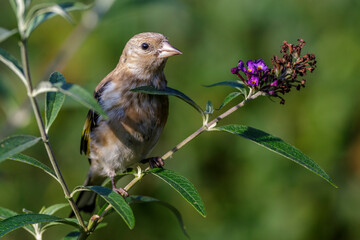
x,y
284,73
254,72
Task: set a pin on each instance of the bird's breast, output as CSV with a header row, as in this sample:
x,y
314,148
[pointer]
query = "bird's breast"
x,y
136,117
143,116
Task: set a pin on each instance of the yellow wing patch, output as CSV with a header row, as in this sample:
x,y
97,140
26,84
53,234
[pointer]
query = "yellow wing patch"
x,y
91,119
90,124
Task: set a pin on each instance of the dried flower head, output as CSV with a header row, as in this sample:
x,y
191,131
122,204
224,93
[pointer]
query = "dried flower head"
x,y
284,74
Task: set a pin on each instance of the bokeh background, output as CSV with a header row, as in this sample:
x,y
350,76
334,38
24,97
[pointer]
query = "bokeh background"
x,y
249,192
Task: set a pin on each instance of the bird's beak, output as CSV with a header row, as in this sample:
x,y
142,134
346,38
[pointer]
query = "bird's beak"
x,y
167,51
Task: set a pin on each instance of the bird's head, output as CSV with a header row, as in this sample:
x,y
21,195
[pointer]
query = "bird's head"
x,y
147,52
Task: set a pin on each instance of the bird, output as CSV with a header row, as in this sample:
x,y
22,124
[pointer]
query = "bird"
x,y
135,120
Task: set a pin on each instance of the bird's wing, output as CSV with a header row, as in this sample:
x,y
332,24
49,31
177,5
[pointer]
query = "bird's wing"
x,y
90,124
91,121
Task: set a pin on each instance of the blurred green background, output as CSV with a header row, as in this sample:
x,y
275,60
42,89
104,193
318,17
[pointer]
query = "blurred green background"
x,y
249,192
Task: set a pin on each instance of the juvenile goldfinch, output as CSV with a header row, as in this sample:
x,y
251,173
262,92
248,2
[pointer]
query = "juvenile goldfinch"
x,y
135,120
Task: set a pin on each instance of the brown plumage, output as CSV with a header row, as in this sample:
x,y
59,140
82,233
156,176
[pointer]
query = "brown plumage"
x,y
135,121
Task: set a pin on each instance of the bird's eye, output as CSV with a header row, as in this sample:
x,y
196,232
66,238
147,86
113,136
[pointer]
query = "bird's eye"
x,y
144,46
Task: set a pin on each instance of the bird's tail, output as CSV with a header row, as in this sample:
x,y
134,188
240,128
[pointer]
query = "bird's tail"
x,y
86,199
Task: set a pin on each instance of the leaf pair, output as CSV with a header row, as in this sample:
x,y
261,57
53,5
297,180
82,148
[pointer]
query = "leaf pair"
x,y
11,147
176,181
56,90
12,220
57,86
236,84
40,13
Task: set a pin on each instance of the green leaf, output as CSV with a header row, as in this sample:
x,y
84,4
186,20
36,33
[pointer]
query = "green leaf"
x,y
228,98
40,13
5,34
6,213
81,95
54,208
171,92
13,5
277,145
209,108
13,64
32,161
54,100
45,226
74,91
182,186
113,198
236,84
72,235
15,144
9,224
144,199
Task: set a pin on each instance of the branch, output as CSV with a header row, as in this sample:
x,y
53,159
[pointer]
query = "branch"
x,y
96,219
44,136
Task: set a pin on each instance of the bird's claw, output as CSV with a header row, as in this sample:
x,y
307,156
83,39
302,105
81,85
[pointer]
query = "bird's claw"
x,y
121,191
154,162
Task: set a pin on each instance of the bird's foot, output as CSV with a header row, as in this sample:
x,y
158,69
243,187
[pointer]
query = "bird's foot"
x,y
154,162
121,191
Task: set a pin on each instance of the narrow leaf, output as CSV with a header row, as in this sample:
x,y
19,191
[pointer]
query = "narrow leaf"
x,y
54,208
6,213
47,225
277,145
144,199
236,84
72,235
54,100
15,144
171,92
81,95
228,98
74,91
182,186
113,198
32,161
40,13
13,5
209,108
9,224
13,64
5,34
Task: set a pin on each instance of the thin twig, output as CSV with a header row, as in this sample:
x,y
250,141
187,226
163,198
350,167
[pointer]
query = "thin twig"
x,y
210,125
206,127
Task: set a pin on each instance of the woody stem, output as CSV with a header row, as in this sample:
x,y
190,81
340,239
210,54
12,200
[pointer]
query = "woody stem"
x,y
44,136
206,127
